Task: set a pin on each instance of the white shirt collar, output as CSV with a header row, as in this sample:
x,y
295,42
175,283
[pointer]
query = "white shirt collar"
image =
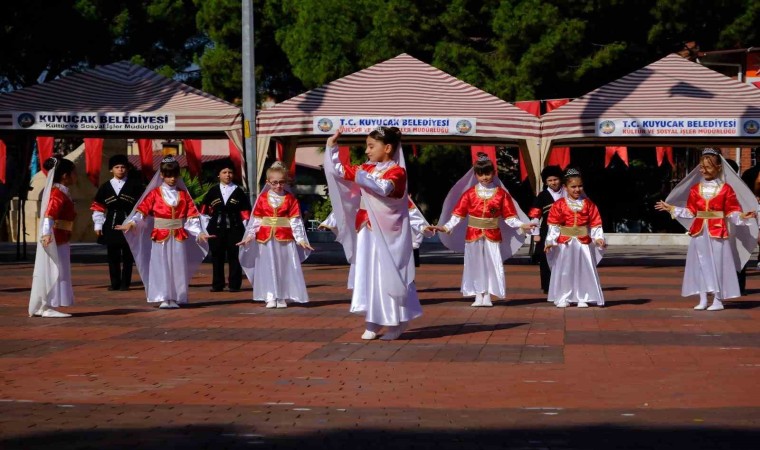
x,y
227,186
166,186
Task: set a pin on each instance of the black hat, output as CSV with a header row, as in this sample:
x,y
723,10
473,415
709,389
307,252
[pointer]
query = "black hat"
x,y
551,171
115,160
225,163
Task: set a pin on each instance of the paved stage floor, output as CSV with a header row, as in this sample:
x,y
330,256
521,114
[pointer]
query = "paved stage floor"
x,y
645,371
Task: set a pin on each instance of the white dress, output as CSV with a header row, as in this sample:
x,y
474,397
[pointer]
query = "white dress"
x,y
372,272
574,278
170,273
277,272
483,265
62,292
710,263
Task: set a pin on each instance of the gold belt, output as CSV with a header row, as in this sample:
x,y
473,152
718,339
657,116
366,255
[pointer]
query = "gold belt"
x,y
275,222
709,214
167,224
67,225
484,223
573,231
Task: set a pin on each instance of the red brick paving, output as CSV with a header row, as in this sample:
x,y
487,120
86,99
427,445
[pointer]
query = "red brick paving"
x,y
526,374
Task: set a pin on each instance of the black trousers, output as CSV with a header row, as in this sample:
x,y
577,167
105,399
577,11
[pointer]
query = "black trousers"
x,y
120,262
543,265
223,249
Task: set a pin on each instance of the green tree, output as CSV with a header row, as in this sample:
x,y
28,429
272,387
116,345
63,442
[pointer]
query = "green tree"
x,y
45,39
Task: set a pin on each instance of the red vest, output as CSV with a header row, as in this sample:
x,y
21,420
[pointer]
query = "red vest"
x,y
563,216
61,210
274,220
495,208
395,173
724,203
154,204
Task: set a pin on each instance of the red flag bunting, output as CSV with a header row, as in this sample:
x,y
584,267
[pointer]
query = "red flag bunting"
x,y
93,158
665,152
44,150
344,155
622,152
145,147
3,161
489,150
193,154
531,107
415,151
558,156
237,159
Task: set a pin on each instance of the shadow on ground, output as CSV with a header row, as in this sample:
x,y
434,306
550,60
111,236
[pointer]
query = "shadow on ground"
x,y
195,437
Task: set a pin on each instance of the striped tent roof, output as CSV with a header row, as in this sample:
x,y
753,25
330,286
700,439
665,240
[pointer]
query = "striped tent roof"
x,y
399,87
670,88
124,87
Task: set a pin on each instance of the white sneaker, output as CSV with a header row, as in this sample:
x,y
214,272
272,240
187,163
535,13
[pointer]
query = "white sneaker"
x,y
281,303
271,304
39,312
165,305
50,312
716,306
369,335
478,300
173,304
486,300
582,305
561,304
701,306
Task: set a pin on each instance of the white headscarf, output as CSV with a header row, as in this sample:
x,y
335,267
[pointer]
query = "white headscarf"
x,y
743,238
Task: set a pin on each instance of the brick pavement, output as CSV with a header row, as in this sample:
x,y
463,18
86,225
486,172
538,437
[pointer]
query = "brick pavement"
x,y
646,371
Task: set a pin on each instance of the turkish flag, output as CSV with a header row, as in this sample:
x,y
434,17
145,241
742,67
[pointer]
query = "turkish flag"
x,y
3,162
44,150
146,156
93,158
558,156
193,154
665,152
622,152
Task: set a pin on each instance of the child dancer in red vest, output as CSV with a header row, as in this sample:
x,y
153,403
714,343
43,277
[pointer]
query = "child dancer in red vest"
x,y
371,209
712,202
167,215
273,262
51,282
485,205
573,247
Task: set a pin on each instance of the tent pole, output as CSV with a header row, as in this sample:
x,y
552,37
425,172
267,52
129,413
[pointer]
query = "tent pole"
x,y
249,99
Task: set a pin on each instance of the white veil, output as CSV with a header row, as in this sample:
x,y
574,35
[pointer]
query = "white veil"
x,y
248,253
511,239
140,242
46,265
389,216
743,238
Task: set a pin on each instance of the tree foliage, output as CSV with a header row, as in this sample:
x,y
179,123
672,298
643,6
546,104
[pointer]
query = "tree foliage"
x,y
44,39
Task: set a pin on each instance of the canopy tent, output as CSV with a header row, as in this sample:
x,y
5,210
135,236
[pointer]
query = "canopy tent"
x,y
671,101
401,88
119,100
